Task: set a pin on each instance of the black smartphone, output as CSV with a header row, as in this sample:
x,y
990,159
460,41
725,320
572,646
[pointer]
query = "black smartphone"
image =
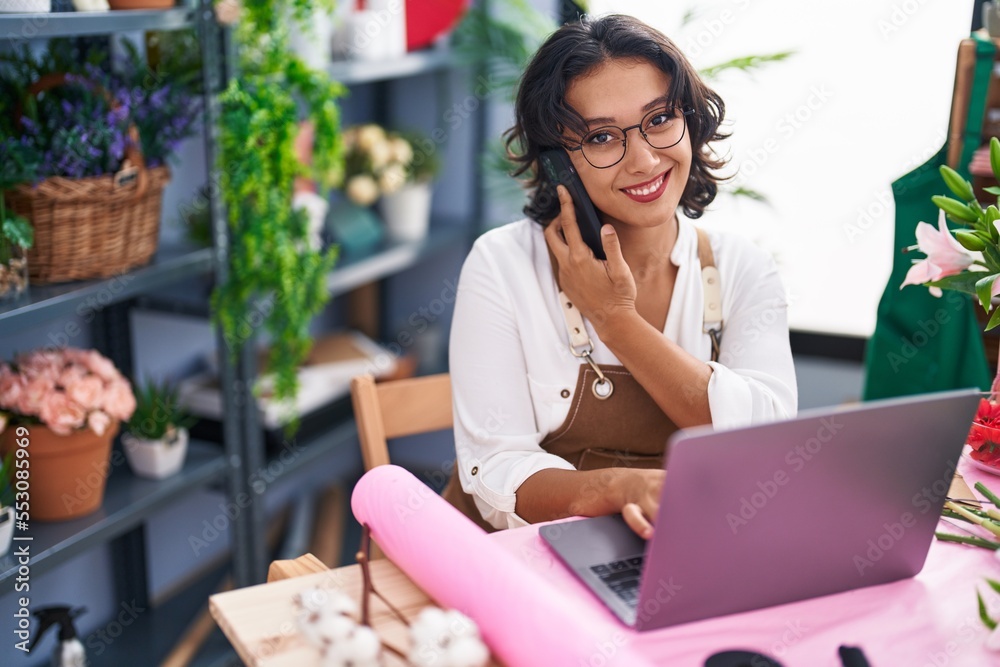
x,y
557,168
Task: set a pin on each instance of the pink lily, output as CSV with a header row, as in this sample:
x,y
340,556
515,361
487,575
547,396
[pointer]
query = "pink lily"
x,y
945,256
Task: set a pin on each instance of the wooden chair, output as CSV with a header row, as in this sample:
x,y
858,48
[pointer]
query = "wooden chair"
x,y
398,408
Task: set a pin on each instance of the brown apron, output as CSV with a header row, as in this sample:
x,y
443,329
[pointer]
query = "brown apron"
x,y
625,428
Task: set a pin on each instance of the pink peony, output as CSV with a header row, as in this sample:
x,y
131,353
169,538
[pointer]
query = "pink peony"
x,y
62,415
945,256
87,391
119,401
98,421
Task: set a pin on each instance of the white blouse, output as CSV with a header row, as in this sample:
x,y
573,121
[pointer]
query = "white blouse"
x,y
513,375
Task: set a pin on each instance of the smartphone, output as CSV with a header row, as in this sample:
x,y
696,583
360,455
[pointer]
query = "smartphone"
x,y
558,169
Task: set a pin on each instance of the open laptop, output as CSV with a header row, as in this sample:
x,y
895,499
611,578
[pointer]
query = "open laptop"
x,y
833,500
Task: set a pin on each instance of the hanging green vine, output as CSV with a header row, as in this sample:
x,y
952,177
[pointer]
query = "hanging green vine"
x,y
275,280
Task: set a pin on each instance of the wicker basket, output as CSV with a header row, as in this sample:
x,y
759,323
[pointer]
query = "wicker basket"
x,y
92,227
89,227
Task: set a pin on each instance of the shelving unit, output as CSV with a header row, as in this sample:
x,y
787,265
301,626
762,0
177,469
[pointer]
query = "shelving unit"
x,y
128,501
163,285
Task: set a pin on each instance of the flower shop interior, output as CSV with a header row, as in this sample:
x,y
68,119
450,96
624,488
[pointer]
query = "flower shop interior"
x,y
217,214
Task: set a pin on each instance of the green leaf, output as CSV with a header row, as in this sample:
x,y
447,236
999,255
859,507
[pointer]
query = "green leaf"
x,y
961,187
994,584
984,286
993,190
983,614
745,63
18,231
956,210
994,320
961,282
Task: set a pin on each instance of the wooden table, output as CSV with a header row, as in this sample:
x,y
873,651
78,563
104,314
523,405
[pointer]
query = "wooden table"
x,y
259,621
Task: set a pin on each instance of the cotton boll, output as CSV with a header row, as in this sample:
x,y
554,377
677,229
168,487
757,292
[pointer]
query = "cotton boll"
x,y
446,639
468,652
360,648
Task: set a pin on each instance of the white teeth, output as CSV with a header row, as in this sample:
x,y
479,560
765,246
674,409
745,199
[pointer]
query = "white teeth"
x,y
642,192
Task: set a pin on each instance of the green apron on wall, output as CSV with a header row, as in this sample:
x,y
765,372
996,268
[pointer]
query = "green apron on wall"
x,y
923,343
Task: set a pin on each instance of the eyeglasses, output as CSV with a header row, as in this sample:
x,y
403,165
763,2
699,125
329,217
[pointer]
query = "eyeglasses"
x,y
661,128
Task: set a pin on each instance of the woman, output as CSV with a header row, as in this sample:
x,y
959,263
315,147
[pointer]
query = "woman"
x,y
544,431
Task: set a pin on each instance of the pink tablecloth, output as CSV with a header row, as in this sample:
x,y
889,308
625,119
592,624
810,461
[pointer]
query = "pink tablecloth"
x,y
928,621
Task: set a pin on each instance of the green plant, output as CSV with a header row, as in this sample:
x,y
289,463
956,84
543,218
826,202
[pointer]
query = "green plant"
x,y
20,165
158,413
7,480
275,279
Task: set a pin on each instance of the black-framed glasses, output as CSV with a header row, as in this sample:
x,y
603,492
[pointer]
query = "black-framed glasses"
x,y
661,128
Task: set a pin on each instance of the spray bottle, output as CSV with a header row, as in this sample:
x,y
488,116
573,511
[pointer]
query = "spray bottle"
x,y
69,652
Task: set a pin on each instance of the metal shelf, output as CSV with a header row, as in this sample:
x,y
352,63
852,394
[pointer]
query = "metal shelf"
x,y
128,502
46,302
73,24
391,257
353,72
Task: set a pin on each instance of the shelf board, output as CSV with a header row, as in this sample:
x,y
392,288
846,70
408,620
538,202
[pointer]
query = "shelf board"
x,y
46,302
390,257
74,24
353,72
128,501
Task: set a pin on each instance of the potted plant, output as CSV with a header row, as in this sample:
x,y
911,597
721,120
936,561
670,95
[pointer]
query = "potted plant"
x,y
67,403
101,127
276,279
16,234
6,502
156,437
407,209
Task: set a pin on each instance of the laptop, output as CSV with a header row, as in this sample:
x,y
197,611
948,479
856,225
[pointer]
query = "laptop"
x,y
832,500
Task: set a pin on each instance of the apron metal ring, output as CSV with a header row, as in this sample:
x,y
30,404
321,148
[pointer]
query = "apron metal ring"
x,y
602,388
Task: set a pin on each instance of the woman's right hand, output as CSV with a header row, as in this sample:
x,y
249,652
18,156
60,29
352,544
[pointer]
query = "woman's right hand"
x,y
641,499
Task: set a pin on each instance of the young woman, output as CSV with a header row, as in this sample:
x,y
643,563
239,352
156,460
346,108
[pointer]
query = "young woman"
x,y
570,372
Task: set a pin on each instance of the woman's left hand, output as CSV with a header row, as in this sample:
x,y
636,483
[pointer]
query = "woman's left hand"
x,y
596,287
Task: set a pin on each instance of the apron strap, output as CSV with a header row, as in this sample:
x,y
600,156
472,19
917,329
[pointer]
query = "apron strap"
x,y
711,283
579,340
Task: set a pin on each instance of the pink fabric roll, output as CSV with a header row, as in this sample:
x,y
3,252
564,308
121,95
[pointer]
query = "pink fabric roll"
x,y
523,618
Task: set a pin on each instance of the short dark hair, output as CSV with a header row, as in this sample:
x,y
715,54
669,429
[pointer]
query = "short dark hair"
x,y
541,111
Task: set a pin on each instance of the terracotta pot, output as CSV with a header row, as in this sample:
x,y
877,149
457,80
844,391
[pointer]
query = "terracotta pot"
x,y
141,4
68,473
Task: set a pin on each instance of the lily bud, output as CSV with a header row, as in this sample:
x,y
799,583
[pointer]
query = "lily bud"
x,y
969,240
955,210
961,187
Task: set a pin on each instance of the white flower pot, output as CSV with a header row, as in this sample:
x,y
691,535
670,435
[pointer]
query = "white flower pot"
x,y
313,43
25,7
155,459
407,212
6,529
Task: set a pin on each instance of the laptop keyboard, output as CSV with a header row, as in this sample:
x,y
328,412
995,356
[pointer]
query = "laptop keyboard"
x,y
623,577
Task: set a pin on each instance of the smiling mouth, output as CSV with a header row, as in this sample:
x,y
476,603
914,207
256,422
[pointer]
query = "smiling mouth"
x,y
648,188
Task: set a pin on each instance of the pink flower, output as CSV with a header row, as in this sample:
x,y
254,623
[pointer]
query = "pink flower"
x,y
61,414
945,256
87,391
100,365
98,421
35,394
119,401
11,388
